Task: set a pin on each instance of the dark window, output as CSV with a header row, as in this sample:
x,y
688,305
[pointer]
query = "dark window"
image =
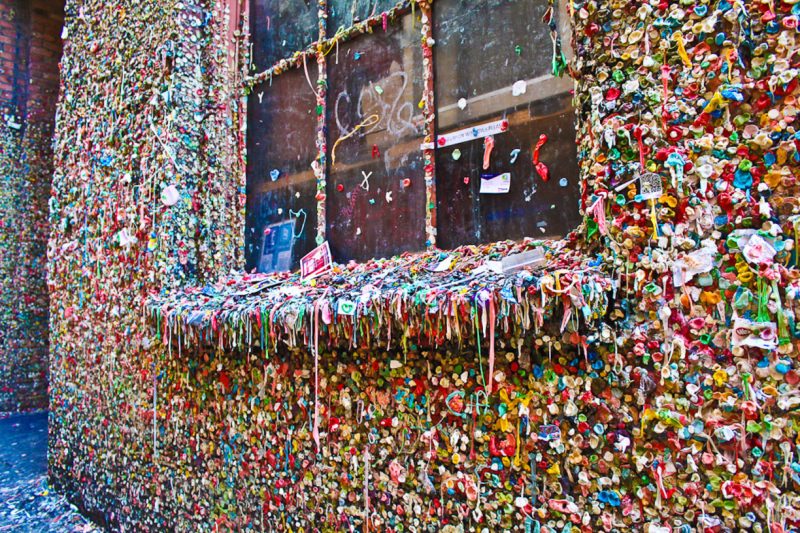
x,y
281,186
376,187
493,62
345,13
280,28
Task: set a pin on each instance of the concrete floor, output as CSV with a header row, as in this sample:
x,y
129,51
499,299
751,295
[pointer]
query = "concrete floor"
x,y
26,502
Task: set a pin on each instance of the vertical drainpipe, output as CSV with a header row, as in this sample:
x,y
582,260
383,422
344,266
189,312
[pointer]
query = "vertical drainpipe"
x,y
429,112
320,165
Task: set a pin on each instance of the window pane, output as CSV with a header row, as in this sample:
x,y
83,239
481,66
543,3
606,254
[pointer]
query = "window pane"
x,y
493,62
372,210
280,28
483,47
345,13
531,207
281,187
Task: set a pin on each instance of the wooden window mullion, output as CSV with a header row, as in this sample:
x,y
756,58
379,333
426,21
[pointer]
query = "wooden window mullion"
x,y
320,165
429,112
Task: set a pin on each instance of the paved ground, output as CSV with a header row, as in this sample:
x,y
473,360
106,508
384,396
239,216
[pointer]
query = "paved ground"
x,y
26,502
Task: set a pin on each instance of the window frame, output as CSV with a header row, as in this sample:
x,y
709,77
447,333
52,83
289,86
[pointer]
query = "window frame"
x,y
318,52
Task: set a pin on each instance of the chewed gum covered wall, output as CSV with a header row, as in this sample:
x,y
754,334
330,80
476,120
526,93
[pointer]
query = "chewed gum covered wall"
x,y
675,410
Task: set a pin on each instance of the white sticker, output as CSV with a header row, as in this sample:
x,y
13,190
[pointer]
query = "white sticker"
x,y
467,135
491,184
650,186
445,265
346,307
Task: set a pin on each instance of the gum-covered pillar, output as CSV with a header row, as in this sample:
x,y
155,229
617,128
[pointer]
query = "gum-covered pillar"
x,y
429,112
320,165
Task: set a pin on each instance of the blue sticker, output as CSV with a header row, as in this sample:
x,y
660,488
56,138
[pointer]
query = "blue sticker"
x,y
549,432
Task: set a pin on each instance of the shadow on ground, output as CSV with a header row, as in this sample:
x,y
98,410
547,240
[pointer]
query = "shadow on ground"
x,y
26,501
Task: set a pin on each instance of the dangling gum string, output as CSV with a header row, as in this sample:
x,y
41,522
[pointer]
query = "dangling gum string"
x,y
478,342
743,17
269,324
618,361
787,459
308,78
598,209
763,301
491,343
335,42
488,147
249,331
559,61
639,135
389,334
478,490
540,167
768,503
554,40
367,122
653,218
315,430
682,49
367,458
669,355
155,406
472,435
728,54
263,332
665,72
661,493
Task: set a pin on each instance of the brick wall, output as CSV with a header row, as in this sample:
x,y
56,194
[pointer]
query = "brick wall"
x,y
47,19
14,40
30,49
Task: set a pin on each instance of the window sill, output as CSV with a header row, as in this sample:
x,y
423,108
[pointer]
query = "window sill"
x,y
387,301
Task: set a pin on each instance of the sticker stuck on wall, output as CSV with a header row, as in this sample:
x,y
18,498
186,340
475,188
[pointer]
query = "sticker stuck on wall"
x,y
316,262
468,134
651,187
495,183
